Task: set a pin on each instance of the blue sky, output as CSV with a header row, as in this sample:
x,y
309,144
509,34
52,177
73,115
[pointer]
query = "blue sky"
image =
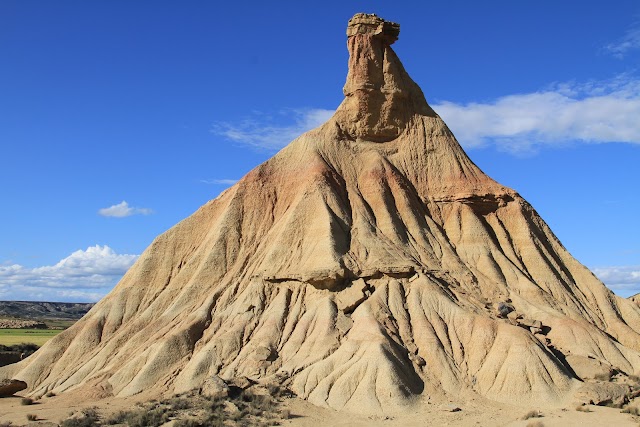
x,y
120,118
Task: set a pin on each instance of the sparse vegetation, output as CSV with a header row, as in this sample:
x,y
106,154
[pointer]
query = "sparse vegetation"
x,y
633,410
245,408
532,414
583,408
32,417
87,418
26,401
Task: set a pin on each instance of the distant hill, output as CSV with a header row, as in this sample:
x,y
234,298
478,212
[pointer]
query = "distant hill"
x,y
44,310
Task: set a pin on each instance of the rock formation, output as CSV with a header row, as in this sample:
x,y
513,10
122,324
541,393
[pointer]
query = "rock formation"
x,y
9,387
368,265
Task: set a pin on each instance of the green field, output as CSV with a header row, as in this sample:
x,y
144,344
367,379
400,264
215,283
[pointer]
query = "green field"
x,y
20,336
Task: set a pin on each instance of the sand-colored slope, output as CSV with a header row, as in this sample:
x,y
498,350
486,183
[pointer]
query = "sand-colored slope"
x,y
366,264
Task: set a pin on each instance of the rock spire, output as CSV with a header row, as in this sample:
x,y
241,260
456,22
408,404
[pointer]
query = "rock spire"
x,y
380,96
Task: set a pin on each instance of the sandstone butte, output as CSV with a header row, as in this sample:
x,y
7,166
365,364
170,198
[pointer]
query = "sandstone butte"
x,y
369,265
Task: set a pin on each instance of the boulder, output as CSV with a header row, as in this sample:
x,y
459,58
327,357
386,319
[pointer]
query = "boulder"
x,y
10,387
214,387
603,394
587,368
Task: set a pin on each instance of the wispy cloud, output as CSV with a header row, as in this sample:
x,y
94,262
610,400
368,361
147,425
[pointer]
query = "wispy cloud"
x,y
219,181
630,41
272,133
624,280
85,275
595,112
122,210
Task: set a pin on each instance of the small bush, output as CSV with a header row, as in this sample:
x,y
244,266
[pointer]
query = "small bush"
x,y
141,418
631,410
26,401
32,417
179,403
285,414
583,408
603,377
532,414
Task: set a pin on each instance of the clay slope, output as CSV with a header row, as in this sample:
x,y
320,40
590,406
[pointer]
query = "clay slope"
x,y
368,263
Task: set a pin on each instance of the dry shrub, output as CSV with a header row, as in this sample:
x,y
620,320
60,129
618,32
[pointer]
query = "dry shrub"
x,y
89,418
32,417
602,377
583,408
535,424
26,401
532,414
633,410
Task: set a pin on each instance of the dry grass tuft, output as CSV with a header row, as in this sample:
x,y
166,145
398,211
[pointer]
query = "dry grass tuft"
x,y
26,401
32,417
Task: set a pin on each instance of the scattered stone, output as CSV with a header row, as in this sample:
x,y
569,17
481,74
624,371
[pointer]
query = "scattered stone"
x,y
504,308
262,353
513,315
343,323
418,360
450,408
528,323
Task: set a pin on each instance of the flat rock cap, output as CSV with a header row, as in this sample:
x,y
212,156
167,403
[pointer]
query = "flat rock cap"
x,y
372,24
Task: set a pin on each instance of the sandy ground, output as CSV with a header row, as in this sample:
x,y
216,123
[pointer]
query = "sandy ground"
x,y
303,414
307,415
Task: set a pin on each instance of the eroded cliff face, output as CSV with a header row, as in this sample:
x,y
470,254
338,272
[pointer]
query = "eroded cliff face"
x,y
368,264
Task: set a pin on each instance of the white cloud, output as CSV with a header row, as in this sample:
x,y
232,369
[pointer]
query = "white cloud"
x,y
219,181
595,112
122,210
630,41
82,276
624,280
265,134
